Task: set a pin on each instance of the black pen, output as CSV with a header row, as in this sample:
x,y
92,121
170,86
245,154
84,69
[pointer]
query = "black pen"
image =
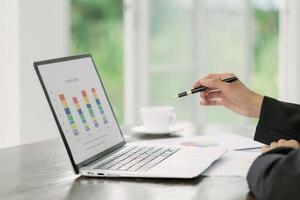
x,y
203,88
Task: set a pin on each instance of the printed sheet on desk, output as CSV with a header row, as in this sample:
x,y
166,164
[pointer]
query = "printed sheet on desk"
x,y
229,141
235,162
232,163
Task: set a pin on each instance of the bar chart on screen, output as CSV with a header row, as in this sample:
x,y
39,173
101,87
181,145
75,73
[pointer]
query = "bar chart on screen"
x,y
81,113
81,108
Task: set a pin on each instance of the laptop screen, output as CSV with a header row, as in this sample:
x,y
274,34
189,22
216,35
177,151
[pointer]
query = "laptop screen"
x,y
81,107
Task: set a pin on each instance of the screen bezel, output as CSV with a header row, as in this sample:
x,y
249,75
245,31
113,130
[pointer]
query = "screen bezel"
x,y
88,161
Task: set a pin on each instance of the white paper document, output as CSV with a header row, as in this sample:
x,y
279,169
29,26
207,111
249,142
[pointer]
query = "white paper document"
x,y
232,163
234,142
228,141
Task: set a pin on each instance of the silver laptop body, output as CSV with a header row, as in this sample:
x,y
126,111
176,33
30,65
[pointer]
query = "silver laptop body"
x,y
91,133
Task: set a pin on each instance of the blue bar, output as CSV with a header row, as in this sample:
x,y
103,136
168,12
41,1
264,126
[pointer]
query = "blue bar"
x,y
67,110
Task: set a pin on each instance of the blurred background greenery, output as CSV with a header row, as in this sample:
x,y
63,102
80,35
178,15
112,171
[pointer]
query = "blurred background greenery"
x,y
265,65
97,28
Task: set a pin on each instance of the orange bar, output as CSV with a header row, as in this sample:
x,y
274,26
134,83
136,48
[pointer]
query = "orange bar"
x,y
75,100
83,92
62,97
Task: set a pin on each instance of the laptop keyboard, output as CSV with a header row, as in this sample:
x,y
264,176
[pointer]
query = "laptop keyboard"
x,y
137,158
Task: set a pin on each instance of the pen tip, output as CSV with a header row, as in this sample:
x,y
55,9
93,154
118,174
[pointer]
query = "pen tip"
x,y
174,97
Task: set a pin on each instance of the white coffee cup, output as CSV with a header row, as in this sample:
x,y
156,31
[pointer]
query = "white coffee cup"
x,y
158,118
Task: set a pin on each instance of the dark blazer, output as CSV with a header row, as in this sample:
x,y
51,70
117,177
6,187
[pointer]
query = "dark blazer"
x,y
275,175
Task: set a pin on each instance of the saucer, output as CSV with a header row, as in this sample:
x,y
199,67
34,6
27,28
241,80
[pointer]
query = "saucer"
x,y
144,130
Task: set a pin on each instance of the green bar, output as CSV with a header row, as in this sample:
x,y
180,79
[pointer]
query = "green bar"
x,y
70,117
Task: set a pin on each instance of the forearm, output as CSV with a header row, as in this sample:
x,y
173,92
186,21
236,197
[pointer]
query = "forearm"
x,y
255,105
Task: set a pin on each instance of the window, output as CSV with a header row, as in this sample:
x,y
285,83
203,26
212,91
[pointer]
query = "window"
x,y
265,46
171,43
185,39
97,29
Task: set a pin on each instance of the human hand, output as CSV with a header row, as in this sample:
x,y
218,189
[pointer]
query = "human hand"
x,y
235,96
281,143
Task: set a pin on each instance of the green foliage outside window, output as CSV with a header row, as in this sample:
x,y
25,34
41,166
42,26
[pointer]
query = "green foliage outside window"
x,y
265,66
97,29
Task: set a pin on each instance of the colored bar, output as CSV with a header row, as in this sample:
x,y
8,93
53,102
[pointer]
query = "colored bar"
x,y
89,107
81,115
62,97
68,114
99,105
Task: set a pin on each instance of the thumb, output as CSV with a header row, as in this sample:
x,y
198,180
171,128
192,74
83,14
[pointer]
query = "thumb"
x,y
213,83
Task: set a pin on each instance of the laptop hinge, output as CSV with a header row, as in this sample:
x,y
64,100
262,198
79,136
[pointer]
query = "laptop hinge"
x,y
102,158
101,155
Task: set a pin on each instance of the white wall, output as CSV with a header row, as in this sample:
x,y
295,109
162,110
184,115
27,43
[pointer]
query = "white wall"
x,y
9,73
44,34
38,29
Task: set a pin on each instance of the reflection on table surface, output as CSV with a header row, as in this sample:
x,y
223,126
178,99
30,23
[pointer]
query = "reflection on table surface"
x,y
43,171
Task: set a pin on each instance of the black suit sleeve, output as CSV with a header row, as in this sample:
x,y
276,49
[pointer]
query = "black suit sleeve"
x,y
275,175
278,120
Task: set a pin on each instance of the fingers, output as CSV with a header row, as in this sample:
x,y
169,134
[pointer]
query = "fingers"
x,y
215,84
210,94
281,142
292,143
211,102
288,143
211,98
212,76
197,84
284,143
273,145
219,76
265,148
208,82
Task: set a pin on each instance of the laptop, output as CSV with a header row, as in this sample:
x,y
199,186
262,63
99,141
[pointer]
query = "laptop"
x,y
91,133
